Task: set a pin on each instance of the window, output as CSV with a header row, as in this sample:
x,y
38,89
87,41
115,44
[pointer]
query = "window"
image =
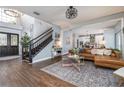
x,y
14,40
3,39
6,18
118,40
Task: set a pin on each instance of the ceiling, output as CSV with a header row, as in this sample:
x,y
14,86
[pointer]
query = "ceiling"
x,y
106,25
56,14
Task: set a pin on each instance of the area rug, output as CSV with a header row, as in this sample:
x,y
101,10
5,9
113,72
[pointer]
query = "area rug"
x,y
89,76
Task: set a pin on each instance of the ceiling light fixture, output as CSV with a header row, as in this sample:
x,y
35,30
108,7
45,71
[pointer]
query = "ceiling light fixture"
x,y
71,12
12,12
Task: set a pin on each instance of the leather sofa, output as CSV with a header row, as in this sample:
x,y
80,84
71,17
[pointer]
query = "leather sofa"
x,y
86,53
112,61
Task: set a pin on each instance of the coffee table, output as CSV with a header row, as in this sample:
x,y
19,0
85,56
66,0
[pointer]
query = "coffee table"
x,y
73,61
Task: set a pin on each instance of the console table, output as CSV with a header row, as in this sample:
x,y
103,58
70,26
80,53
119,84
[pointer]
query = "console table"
x,y
56,52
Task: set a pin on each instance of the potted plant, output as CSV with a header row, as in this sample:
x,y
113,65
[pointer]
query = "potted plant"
x,y
25,44
74,51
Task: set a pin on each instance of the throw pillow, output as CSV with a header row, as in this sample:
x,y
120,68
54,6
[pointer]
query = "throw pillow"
x,y
113,55
88,50
107,52
100,51
94,51
81,50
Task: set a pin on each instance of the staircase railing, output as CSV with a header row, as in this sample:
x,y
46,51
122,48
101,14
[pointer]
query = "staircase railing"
x,y
38,43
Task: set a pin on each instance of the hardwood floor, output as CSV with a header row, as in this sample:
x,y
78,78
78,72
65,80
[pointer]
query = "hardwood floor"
x,y
15,73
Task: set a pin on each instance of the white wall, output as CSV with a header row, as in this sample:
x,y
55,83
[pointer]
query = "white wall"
x,y
27,22
118,29
122,34
40,27
66,46
109,36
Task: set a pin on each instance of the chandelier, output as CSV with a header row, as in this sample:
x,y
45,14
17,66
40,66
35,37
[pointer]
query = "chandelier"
x,y
71,12
12,12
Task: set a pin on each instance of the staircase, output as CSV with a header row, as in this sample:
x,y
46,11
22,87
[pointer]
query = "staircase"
x,y
39,43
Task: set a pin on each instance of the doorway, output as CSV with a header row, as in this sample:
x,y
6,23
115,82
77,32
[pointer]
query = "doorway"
x,y
9,44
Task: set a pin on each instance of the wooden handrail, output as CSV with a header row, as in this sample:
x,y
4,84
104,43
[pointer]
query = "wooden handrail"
x,y
41,34
41,37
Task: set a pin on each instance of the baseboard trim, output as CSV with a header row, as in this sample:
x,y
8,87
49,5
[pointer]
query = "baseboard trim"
x,y
65,53
39,60
9,58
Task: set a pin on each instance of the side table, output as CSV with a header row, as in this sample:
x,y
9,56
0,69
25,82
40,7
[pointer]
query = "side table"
x,y
120,74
